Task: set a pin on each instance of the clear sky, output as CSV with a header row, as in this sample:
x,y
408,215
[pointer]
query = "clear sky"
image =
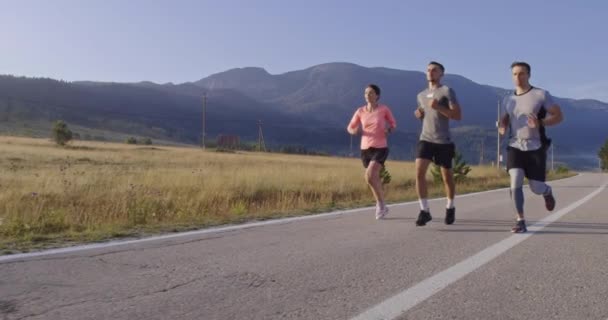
x,y
178,41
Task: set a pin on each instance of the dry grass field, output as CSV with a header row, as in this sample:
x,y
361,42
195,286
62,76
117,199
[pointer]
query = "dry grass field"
x,y
88,191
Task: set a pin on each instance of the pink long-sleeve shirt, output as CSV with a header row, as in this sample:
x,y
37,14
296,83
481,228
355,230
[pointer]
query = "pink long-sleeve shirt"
x,y
373,125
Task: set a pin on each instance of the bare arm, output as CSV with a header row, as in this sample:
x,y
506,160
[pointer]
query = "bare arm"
x,y
419,113
554,112
453,112
554,116
503,124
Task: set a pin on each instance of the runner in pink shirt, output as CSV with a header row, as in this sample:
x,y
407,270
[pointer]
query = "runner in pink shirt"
x,y
374,121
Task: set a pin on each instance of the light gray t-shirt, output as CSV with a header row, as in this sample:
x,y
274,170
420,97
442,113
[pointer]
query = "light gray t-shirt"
x,y
436,126
518,107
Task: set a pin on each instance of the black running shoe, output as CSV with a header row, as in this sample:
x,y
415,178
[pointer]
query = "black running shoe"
x,y
520,227
549,201
423,218
450,215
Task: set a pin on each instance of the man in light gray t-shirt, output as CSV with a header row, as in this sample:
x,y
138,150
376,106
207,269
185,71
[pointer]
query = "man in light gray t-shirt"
x,y
526,114
435,125
518,107
436,106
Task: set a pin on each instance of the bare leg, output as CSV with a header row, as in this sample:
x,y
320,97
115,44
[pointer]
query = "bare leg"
x,y
448,182
421,167
372,177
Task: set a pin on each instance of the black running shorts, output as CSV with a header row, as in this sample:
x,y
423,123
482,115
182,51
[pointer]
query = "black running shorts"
x,y
374,154
534,163
441,154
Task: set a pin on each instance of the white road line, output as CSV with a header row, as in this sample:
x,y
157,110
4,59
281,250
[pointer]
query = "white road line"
x,y
19,256
407,299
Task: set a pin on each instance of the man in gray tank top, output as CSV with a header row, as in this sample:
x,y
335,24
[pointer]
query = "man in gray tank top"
x,y
526,113
436,106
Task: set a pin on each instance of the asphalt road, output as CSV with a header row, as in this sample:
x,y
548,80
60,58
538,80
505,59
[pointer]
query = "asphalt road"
x,y
343,265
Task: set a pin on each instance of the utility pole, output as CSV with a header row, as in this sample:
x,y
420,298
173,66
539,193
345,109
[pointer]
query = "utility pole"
x,y
204,120
351,146
481,152
497,135
261,145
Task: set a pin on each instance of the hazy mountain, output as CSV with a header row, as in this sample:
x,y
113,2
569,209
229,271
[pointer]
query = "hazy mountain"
x,y
307,107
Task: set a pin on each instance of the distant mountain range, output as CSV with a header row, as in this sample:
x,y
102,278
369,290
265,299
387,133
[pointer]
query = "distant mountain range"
x,y
309,108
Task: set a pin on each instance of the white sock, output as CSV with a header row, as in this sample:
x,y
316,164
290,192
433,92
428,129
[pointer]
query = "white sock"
x,y
450,204
520,219
424,205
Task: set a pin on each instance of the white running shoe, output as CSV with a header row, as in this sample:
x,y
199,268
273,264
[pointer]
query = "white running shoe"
x,y
381,212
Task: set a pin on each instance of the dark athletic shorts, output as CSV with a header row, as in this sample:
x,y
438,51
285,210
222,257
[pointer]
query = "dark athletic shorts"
x,y
441,154
374,154
534,163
